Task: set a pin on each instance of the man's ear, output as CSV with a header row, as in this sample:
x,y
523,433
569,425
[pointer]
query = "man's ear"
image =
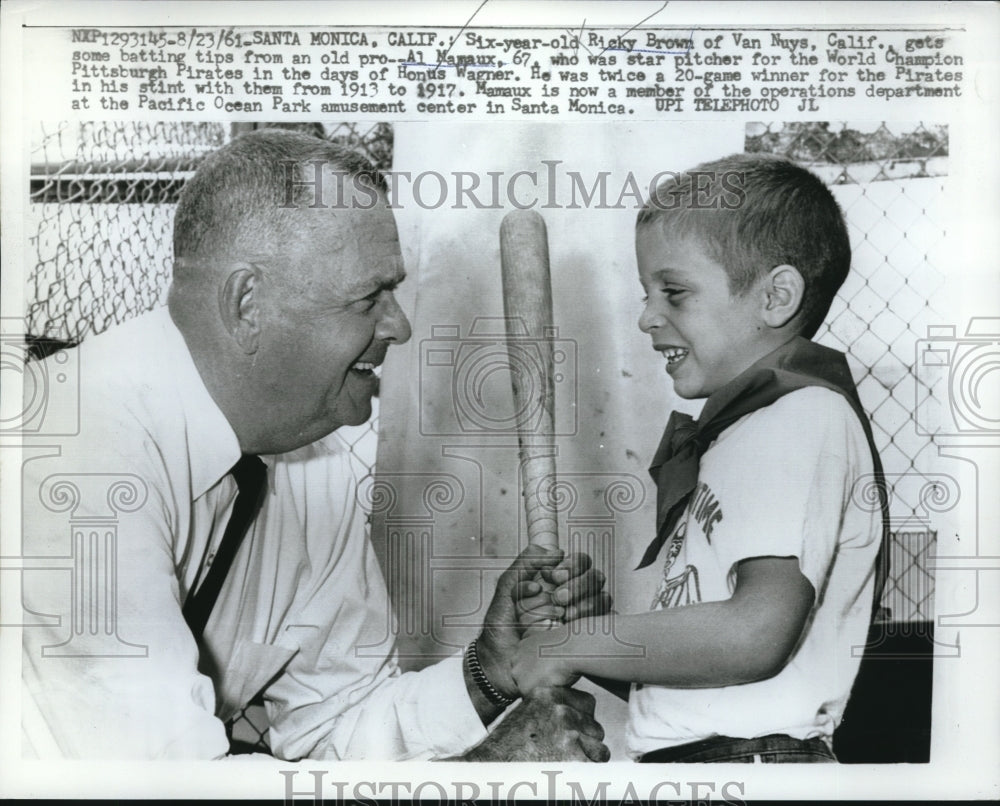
x,y
239,307
783,292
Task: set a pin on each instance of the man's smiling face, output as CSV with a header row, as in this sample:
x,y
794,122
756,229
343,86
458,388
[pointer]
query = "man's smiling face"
x,y
327,319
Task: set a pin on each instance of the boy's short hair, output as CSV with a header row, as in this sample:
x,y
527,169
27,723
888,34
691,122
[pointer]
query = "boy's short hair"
x,y
753,212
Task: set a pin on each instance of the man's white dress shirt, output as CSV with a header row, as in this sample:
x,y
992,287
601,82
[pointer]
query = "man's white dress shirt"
x,y
135,505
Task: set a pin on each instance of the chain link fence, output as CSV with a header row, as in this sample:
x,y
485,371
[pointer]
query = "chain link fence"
x,y
102,196
889,180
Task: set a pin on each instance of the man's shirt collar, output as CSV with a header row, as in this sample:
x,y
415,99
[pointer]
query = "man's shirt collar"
x,y
214,446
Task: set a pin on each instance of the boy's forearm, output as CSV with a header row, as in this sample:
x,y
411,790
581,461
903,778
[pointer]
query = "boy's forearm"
x,y
703,645
745,638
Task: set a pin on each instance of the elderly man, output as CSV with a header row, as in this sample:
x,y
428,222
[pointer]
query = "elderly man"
x,y
203,574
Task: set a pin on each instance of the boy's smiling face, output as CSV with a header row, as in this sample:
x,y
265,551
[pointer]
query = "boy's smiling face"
x,y
708,335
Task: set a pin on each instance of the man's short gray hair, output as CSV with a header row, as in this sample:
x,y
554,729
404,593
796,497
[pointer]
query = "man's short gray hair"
x,y
238,202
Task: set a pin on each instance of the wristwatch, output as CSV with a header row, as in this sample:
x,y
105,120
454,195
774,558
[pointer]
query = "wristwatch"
x,y
477,673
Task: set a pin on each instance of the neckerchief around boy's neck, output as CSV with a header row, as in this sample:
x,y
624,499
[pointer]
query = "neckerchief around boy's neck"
x,y
795,365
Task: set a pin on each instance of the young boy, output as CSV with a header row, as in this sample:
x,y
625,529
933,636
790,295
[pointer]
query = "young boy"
x,y
764,564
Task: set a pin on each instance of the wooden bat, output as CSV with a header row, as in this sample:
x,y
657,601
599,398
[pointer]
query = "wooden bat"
x,y
527,303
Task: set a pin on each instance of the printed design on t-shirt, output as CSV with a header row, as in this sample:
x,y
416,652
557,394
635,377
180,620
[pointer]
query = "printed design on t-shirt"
x,y
676,542
681,590
705,509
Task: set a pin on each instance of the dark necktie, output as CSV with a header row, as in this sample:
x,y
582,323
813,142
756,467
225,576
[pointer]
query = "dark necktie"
x,y
250,474
795,365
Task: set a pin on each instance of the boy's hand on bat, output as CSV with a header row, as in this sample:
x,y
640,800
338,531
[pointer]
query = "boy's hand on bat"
x,y
564,591
523,598
503,626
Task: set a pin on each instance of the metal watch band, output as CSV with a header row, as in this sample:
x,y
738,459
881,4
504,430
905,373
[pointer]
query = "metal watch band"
x,y
478,674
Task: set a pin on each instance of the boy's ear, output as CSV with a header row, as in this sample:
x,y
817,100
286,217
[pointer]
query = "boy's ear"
x,y
239,308
784,288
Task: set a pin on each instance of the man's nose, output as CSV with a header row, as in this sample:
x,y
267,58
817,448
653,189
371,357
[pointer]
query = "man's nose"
x,y
393,326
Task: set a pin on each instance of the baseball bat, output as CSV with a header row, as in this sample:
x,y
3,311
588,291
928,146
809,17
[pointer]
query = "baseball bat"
x,y
527,302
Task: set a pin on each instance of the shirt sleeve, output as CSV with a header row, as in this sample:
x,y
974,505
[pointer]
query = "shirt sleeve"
x,y
399,717
109,665
784,477
342,695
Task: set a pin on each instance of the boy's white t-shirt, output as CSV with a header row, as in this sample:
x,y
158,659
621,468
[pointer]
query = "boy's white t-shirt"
x,y
788,480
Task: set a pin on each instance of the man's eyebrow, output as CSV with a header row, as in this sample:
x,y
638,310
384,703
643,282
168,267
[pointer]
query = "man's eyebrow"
x,y
370,289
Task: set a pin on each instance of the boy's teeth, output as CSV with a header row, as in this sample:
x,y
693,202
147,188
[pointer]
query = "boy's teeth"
x,y
364,366
674,354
